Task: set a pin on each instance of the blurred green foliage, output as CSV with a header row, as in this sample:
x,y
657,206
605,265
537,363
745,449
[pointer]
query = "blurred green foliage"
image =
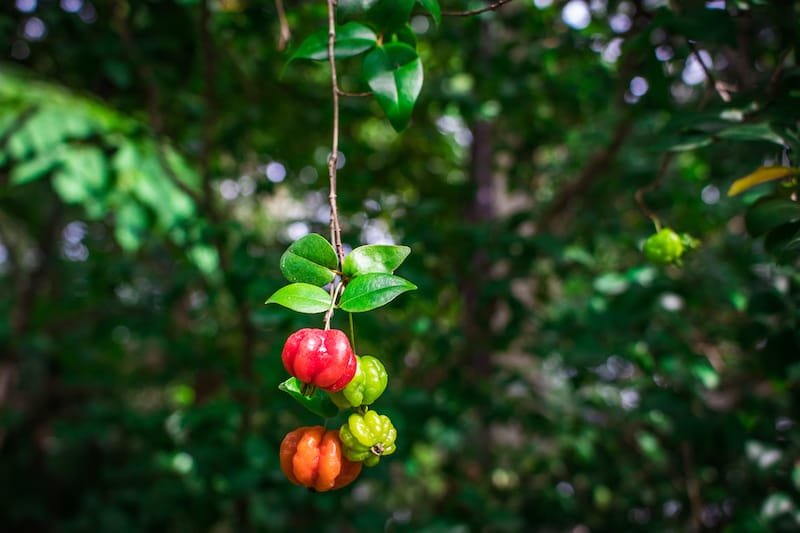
x,y
154,167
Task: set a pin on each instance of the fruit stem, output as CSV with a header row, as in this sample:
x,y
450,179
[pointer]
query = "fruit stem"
x,y
352,333
665,161
335,292
307,389
377,449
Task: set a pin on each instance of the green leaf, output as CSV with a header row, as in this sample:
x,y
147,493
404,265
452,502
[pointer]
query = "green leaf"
x,y
302,297
84,172
371,291
394,73
34,168
318,403
751,132
769,213
310,259
783,242
354,7
405,34
205,258
351,39
682,143
374,258
389,14
131,225
433,7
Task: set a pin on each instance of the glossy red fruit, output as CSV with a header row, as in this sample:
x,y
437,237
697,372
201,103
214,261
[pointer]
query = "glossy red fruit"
x,y
321,358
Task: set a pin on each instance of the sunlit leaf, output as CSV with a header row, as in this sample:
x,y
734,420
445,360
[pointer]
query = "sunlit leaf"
x,y
84,172
375,258
394,73
302,297
131,225
761,175
351,39
34,168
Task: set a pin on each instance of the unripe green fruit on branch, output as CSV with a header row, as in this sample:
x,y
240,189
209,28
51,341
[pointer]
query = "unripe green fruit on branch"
x,y
367,437
664,247
367,384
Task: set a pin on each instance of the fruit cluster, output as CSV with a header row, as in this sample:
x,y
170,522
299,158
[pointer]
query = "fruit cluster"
x,y
326,374
325,460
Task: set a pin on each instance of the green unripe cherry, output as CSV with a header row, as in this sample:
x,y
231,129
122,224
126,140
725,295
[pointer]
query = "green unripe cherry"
x,y
664,247
367,384
367,437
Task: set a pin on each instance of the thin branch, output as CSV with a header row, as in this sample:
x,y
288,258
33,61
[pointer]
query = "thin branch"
x,y
594,167
336,232
358,95
286,33
209,99
692,486
721,88
665,161
778,72
490,7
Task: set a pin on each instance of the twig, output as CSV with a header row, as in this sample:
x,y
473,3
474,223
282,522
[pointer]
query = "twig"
x,y
722,89
665,161
336,231
594,167
778,72
490,7
286,34
692,487
359,95
336,289
209,99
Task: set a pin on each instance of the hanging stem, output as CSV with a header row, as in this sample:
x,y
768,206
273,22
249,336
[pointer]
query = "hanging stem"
x,y
352,333
336,231
665,161
336,288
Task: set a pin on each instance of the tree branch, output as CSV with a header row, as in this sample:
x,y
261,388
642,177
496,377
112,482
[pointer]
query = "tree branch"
x,y
662,171
286,33
490,7
692,486
722,89
359,95
336,230
209,90
595,167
